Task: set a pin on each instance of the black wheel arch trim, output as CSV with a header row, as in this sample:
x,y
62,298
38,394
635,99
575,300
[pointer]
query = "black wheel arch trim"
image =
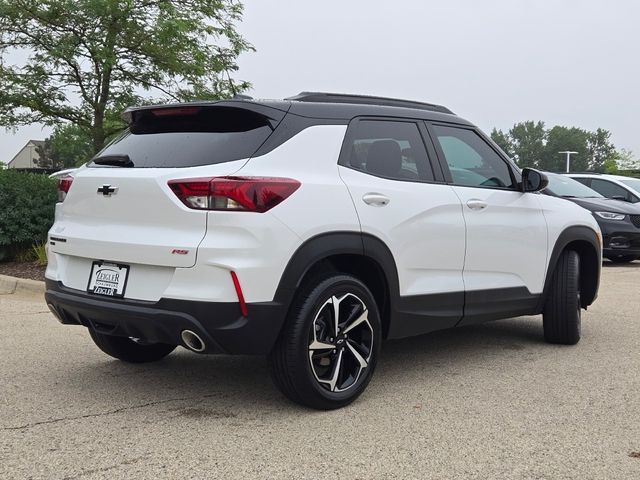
x,y
590,257
325,245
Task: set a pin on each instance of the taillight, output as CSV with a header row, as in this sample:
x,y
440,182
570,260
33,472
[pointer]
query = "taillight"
x,y
250,194
64,184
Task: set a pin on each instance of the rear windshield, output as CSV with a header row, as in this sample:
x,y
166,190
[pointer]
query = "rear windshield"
x,y
190,137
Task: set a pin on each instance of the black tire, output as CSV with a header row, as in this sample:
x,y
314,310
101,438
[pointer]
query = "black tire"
x,y
562,310
623,258
304,374
130,351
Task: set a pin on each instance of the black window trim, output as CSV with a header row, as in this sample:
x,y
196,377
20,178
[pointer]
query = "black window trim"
x,y
514,171
345,150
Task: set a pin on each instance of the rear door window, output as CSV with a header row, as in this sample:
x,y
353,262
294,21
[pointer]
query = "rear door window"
x,y
390,149
190,136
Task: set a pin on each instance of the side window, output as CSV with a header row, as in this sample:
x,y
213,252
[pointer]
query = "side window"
x,y
611,190
388,149
583,180
472,162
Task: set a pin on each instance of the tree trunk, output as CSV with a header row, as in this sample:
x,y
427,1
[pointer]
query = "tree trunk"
x,y
97,132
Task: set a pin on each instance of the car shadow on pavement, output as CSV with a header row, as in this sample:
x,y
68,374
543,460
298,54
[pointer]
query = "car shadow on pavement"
x,y
242,383
629,265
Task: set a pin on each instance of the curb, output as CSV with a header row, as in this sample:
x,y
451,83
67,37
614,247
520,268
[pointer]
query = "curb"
x,y
12,285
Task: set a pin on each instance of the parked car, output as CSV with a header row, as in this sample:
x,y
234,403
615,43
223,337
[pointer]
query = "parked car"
x,y
309,230
611,186
619,220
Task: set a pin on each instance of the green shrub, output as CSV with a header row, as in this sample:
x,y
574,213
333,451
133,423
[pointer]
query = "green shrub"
x,y
27,205
24,254
40,253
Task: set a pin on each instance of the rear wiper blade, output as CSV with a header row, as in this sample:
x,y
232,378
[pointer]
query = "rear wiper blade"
x,y
114,160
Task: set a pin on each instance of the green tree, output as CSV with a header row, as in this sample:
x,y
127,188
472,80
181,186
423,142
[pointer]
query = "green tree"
x,y
626,160
610,166
68,146
89,59
566,139
528,140
601,151
503,141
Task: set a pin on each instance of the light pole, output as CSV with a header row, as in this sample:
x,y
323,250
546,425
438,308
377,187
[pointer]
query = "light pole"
x,y
568,153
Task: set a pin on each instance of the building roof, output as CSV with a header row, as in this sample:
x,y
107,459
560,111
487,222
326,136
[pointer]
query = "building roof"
x,y
36,143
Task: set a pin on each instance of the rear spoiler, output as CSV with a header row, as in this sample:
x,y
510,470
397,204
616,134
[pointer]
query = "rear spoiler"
x,y
274,112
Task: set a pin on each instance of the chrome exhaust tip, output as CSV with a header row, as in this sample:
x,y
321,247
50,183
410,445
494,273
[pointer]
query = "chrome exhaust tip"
x,y
192,341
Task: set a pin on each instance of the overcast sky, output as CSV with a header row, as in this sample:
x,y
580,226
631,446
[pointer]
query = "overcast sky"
x,y
494,62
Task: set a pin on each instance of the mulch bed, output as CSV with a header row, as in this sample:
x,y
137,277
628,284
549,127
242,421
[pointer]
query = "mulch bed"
x,y
29,270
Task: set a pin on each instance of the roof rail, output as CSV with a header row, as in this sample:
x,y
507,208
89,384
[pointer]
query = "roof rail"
x,y
324,97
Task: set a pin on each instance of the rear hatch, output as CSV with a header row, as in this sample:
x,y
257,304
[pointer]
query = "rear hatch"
x,y
120,208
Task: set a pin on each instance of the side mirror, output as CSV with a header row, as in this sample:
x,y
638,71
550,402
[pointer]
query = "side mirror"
x,y
533,180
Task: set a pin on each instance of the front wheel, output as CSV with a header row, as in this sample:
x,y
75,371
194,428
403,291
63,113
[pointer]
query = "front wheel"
x,y
562,311
327,352
129,349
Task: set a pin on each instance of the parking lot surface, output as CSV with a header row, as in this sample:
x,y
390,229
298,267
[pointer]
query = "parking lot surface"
x,y
488,401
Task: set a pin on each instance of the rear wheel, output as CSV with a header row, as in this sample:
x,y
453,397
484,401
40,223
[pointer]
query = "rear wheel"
x,y
327,352
563,307
131,350
623,258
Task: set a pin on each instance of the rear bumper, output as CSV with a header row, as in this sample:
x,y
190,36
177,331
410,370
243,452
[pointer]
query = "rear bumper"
x,y
221,325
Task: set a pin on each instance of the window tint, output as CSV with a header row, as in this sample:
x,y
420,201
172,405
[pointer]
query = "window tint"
x,y
583,180
471,160
202,136
611,190
388,149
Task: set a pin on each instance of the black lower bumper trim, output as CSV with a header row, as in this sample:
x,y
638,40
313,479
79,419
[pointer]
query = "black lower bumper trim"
x,y
220,325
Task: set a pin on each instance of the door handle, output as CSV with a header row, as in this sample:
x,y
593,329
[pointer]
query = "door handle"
x,y
375,199
475,204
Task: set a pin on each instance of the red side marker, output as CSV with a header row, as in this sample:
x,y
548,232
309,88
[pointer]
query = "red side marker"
x,y
243,304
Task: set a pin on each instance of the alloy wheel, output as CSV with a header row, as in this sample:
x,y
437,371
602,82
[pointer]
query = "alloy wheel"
x,y
340,342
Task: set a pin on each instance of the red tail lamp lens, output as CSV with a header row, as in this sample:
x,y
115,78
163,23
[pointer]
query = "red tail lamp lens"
x,y
251,194
64,184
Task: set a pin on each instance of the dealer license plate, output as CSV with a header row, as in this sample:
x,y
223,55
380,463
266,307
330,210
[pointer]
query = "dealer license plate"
x,y
108,279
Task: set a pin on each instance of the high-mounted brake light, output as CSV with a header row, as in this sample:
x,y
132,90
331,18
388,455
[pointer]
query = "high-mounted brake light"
x,y
250,194
175,111
64,184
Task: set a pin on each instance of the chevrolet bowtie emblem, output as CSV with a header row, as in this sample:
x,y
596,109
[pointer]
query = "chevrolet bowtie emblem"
x,y
107,190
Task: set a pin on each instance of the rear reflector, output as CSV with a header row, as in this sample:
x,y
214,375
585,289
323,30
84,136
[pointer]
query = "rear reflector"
x,y
243,304
64,184
248,194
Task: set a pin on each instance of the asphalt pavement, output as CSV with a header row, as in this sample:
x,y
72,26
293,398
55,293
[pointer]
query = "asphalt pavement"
x,y
487,402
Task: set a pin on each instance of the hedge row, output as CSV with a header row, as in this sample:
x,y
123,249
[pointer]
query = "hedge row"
x,y
27,205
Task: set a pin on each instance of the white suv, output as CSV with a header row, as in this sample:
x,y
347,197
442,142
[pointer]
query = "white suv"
x,y
309,230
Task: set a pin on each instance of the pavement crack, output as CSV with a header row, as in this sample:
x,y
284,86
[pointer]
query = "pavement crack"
x,y
102,414
104,469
